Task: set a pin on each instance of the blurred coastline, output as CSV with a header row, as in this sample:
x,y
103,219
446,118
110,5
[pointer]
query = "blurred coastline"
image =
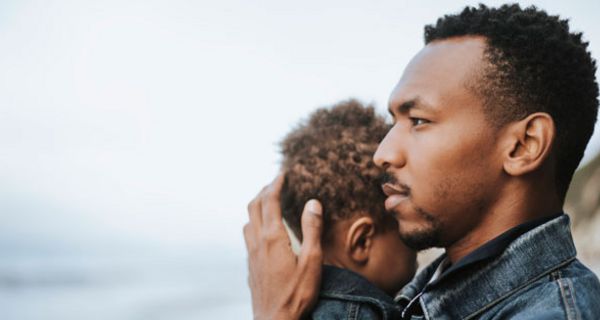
x,y
583,205
206,285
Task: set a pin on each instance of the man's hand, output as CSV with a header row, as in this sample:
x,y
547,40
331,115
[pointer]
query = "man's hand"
x,y
283,286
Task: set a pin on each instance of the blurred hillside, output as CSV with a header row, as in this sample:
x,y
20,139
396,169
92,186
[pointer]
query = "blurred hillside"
x,y
583,205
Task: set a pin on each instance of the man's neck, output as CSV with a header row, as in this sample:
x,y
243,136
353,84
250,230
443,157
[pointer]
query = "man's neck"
x,y
503,216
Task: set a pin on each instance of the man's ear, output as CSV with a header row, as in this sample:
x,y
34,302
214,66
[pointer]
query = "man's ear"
x,y
529,143
359,239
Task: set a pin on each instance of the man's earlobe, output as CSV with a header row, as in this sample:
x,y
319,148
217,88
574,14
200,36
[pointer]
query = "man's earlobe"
x,y
359,239
530,145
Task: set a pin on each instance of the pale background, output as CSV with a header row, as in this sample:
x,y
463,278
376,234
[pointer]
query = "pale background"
x,y
133,133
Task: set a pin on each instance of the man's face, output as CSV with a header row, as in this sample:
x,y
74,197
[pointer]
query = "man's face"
x,y
440,155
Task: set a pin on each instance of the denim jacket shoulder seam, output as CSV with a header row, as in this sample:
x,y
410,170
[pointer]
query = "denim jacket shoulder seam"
x,y
568,298
524,285
353,311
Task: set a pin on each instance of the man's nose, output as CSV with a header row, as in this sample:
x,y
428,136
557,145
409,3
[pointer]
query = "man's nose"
x,y
391,150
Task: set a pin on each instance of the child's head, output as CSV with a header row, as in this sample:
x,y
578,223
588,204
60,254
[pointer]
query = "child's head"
x,y
329,158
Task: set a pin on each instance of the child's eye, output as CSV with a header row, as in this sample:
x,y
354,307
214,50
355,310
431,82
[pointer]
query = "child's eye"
x,y
418,121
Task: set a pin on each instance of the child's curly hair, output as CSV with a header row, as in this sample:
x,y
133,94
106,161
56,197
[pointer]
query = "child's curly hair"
x,y
330,158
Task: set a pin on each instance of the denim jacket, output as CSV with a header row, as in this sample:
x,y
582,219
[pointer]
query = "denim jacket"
x,y
347,295
537,276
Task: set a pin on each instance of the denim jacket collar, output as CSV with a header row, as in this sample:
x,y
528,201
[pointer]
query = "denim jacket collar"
x,y
531,256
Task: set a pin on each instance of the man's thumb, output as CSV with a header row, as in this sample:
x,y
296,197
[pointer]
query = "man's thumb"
x,y
312,225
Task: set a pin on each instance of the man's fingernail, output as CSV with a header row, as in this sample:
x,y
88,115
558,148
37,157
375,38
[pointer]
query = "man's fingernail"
x,y
313,206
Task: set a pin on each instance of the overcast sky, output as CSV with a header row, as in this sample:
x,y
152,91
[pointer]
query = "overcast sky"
x,y
158,120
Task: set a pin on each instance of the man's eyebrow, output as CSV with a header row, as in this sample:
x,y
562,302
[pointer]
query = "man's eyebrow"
x,y
408,105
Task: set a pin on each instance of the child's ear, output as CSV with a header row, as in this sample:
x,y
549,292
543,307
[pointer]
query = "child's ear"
x,y
359,239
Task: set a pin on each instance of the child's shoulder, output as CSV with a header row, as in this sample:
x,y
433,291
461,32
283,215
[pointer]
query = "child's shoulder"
x,y
347,295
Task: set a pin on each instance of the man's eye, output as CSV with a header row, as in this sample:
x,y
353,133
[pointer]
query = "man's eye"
x,y
418,121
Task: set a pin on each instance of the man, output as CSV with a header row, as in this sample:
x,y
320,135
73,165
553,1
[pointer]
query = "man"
x,y
491,119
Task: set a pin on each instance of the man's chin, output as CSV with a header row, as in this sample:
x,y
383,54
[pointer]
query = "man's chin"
x,y
418,228
422,238
420,241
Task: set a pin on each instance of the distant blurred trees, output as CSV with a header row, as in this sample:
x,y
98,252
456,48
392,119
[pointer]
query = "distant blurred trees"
x,y
583,198
583,205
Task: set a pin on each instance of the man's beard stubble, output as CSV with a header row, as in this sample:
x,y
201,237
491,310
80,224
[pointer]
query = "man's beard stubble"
x,y
423,238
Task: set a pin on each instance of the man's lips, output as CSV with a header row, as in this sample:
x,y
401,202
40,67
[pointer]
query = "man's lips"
x,y
395,195
390,190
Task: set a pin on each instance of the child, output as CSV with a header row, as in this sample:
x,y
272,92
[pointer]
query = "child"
x,y
329,158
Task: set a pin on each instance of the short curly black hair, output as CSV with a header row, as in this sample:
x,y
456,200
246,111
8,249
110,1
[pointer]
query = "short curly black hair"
x,y
329,157
536,65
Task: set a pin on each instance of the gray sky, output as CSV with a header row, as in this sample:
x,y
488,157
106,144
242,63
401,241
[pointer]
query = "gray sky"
x,y
158,120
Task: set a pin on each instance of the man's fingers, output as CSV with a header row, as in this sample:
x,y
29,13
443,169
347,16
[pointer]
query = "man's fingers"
x,y
249,238
312,228
255,207
310,259
255,211
277,183
271,207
